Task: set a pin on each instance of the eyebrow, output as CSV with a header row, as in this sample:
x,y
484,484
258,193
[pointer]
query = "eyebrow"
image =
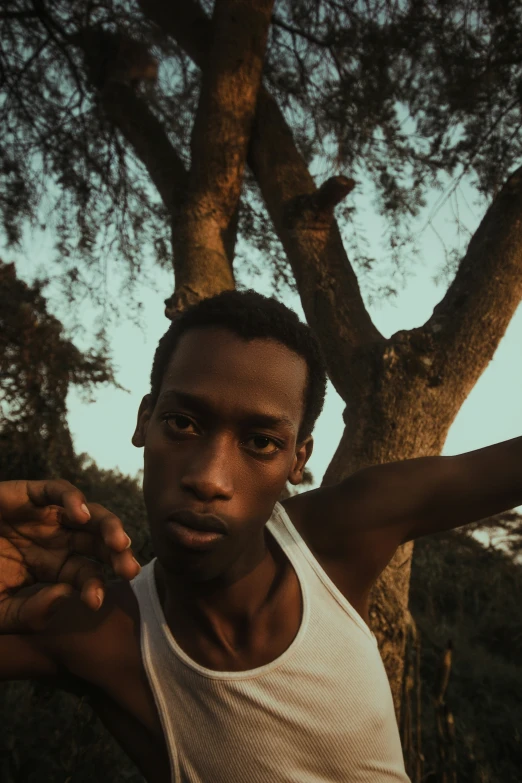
x,y
202,405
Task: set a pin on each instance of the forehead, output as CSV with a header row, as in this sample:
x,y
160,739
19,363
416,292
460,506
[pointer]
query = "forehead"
x,y
230,372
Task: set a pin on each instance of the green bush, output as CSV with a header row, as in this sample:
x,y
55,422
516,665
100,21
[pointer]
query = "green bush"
x,y
469,594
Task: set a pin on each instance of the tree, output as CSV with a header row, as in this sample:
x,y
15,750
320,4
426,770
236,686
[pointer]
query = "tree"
x,y
218,145
466,593
34,436
35,442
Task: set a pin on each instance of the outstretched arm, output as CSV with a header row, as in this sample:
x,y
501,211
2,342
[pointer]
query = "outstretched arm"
x,y
432,494
400,501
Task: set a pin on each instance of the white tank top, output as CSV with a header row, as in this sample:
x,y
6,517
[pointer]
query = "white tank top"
x,y
322,712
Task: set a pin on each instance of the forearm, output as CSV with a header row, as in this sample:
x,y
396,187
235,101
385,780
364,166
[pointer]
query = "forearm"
x,y
418,497
486,481
447,492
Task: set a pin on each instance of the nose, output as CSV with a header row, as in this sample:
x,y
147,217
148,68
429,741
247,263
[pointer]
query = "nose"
x,y
208,475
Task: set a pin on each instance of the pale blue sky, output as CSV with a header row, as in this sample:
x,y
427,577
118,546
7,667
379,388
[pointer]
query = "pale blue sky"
x,y
492,412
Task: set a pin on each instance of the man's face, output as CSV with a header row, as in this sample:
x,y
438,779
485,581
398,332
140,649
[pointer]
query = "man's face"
x,y
221,440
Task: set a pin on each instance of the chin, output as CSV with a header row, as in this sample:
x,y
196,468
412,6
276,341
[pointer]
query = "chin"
x,y
193,567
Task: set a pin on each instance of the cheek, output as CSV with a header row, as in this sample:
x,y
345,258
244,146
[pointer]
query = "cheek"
x,y
163,459
265,490
159,475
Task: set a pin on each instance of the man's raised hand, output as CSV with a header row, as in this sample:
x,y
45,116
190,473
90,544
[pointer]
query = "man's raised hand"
x,y
49,534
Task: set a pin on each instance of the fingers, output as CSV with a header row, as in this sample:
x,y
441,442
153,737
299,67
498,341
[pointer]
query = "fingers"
x,y
92,545
58,492
109,526
96,534
30,613
104,537
70,510
107,540
87,577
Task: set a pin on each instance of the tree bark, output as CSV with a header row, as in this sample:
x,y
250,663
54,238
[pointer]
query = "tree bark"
x,y
204,201
220,137
326,281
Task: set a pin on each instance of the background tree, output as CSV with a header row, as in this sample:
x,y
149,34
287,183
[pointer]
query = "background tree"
x,y
128,126
37,365
50,734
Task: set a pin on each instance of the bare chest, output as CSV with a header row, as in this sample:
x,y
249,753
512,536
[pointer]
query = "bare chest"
x,y
253,647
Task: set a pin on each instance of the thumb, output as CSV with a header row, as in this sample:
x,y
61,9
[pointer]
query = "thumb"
x,y
56,599
35,611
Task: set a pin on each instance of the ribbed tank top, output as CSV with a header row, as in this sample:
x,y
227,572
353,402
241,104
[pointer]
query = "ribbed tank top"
x,y
322,712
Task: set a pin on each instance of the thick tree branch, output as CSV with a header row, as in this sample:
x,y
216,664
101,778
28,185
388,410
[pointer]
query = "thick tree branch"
x,y
304,220
230,83
147,137
229,88
131,115
469,322
325,279
114,68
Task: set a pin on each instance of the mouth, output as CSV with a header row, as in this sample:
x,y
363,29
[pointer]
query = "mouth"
x,y
205,523
195,531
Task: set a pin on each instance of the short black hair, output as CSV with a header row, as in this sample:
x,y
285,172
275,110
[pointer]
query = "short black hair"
x,y
250,315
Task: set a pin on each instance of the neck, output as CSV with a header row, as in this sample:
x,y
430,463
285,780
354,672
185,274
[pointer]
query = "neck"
x,y
224,613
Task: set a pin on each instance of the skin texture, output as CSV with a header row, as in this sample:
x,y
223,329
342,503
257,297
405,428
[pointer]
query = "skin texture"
x,y
211,457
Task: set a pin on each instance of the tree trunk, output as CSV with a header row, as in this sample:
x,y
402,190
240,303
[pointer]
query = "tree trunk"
x,y
229,87
391,414
403,394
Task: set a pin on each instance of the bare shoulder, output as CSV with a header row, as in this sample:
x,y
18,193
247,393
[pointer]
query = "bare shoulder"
x,y
326,517
340,525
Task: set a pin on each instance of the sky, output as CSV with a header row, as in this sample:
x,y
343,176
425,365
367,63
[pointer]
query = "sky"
x,y
103,428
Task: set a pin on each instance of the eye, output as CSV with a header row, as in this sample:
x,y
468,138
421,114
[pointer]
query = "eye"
x,y
262,442
177,422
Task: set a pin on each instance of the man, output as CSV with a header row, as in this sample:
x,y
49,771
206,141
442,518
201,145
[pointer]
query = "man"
x,y
242,652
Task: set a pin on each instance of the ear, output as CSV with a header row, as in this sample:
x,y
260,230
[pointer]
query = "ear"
x,y
302,455
144,413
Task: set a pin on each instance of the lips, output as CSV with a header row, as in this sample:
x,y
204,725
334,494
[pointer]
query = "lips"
x,y
206,523
197,532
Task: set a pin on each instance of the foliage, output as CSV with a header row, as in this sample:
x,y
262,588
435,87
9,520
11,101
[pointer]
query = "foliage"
x,y
49,736
470,594
470,110
398,93
37,364
503,531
